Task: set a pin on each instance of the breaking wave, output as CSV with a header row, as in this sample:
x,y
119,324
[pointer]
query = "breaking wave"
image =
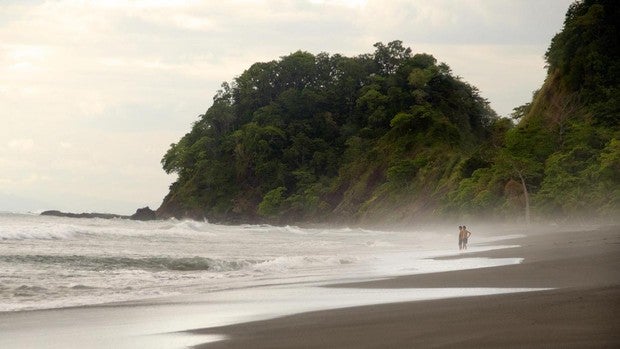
x,y
39,233
95,263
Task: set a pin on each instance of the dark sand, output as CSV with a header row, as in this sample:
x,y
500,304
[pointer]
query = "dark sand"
x,y
582,311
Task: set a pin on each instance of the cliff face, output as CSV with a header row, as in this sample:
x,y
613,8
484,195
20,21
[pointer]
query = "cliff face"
x,y
577,113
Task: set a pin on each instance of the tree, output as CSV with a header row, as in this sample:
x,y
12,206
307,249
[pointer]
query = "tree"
x,y
270,206
523,169
389,57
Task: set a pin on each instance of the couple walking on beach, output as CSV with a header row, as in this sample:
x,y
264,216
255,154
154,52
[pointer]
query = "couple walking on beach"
x,y
464,234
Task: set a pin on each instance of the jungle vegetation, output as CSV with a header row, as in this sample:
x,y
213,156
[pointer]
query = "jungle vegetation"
x,y
562,158
394,136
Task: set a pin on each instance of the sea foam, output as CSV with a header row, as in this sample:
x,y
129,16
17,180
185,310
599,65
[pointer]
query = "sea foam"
x,y
58,262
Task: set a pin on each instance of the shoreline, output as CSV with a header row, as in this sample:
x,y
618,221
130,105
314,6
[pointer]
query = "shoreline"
x,y
580,311
372,314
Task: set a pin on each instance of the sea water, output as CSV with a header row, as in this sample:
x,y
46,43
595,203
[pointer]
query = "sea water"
x,y
54,262
143,284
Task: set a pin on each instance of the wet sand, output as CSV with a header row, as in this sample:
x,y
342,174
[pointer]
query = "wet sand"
x,y
581,311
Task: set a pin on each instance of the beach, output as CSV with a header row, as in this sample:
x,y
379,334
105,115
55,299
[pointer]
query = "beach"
x,y
580,310
182,284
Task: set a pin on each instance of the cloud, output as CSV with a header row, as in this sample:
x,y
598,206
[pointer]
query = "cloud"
x,y
21,145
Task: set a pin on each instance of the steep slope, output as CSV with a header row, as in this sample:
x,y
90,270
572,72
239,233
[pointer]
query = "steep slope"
x,y
563,157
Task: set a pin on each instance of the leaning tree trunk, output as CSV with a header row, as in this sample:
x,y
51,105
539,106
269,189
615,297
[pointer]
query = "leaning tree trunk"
x,y
526,195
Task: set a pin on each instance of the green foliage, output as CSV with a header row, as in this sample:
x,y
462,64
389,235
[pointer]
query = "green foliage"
x,y
587,56
402,172
567,183
479,194
393,134
272,201
472,164
582,179
564,150
309,136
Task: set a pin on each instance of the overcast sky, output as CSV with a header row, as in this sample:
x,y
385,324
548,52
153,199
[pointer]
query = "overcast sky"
x,y
92,93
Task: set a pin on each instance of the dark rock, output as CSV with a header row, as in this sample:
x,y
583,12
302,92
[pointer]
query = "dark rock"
x,y
171,208
144,214
81,215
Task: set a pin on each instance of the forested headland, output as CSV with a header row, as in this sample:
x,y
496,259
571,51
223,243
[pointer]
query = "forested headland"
x,y
394,137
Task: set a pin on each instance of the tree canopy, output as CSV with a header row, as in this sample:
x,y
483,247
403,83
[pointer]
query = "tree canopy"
x,y
394,136
323,136
566,138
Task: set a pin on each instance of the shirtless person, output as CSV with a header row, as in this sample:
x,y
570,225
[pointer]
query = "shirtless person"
x,y
465,234
461,237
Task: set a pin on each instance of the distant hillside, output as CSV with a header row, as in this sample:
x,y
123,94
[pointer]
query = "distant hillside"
x,y
330,138
563,157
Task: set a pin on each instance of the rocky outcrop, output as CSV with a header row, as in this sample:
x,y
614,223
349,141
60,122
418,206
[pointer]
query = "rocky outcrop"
x,y
170,208
144,214
82,215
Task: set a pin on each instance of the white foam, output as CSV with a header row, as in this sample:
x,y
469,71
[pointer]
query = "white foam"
x,y
37,232
55,262
157,323
125,260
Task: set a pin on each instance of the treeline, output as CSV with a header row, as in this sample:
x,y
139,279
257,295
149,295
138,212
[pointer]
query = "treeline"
x,y
563,157
395,136
315,137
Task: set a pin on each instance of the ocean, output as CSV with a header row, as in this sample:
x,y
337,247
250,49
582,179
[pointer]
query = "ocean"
x,y
52,262
125,284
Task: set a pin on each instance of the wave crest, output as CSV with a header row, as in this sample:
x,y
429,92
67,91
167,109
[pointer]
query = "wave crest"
x,y
96,263
39,233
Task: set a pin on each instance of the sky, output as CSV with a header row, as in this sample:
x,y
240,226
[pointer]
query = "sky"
x,y
92,93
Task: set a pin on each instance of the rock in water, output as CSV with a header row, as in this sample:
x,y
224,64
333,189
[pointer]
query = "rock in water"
x,y
81,215
144,214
